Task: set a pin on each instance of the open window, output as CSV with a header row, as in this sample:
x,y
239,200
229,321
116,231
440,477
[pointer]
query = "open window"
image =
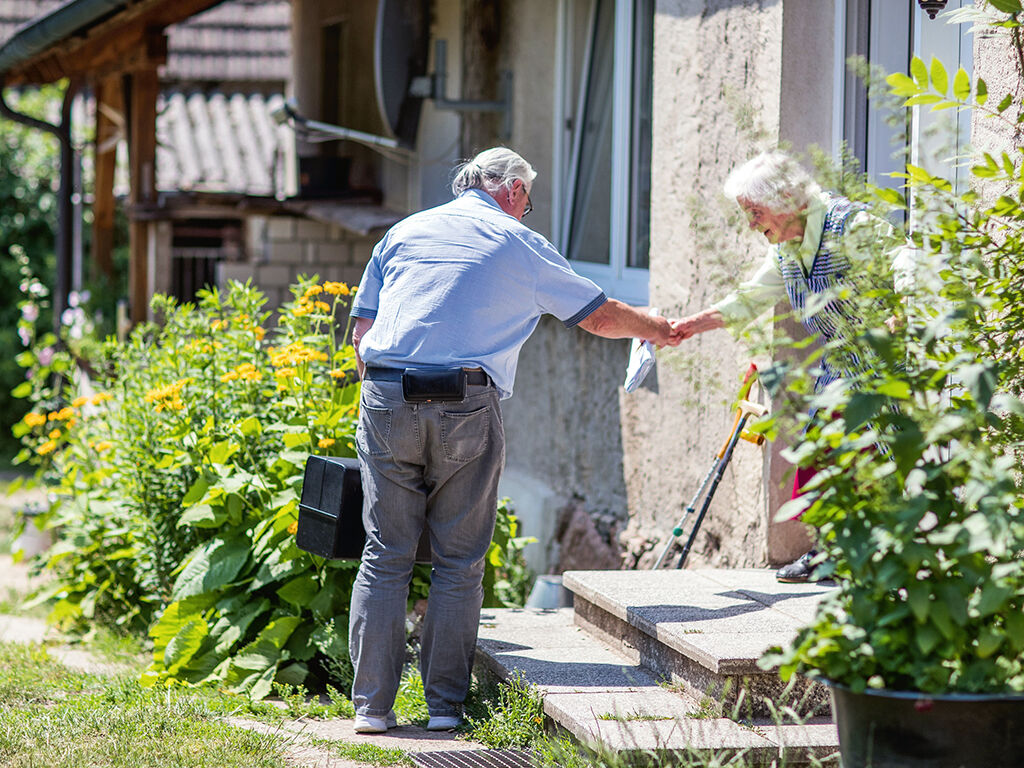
x,y
603,142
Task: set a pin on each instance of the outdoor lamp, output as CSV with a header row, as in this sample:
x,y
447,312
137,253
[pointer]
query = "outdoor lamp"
x,y
931,7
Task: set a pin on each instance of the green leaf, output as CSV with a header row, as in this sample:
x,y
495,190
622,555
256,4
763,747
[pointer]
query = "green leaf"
x,y
923,98
212,566
203,516
196,492
940,80
184,644
919,72
981,92
962,85
1006,6
863,407
988,642
250,426
980,380
22,390
174,618
927,637
902,85
918,598
299,591
1005,103
897,389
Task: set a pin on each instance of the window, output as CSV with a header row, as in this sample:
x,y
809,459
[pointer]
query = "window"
x,y
603,142
888,34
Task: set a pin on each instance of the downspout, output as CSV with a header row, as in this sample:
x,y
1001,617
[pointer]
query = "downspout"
x,y
64,236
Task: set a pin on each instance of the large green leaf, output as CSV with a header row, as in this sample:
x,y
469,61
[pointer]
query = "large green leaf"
x,y
184,644
211,567
299,591
1006,6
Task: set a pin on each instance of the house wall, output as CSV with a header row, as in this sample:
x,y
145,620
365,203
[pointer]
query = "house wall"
x,y
607,473
1001,65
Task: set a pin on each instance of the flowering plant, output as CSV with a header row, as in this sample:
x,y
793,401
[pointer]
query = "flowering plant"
x,y
176,468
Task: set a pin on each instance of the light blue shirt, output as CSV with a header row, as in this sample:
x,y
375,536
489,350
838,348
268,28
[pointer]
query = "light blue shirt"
x,y
464,284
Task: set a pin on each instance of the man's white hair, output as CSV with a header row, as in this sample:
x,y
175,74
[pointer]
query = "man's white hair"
x,y
774,180
493,170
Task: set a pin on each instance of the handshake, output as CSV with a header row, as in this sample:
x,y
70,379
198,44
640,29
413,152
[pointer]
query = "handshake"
x,y
672,332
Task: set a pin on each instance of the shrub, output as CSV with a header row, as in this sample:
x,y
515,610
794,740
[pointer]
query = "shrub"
x,y
919,501
177,485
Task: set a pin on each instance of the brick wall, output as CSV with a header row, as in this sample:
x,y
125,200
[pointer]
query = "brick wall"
x,y
280,248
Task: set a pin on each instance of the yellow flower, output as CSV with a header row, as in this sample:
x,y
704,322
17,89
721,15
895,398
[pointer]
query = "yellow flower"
x,y
54,434
337,373
325,442
216,325
64,414
285,373
78,402
101,397
302,310
293,528
322,306
168,398
313,290
259,333
337,289
229,376
105,445
34,419
46,448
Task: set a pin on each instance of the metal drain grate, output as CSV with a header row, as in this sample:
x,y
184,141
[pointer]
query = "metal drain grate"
x,y
473,758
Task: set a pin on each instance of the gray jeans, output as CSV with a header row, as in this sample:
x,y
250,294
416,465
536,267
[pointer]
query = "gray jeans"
x,y
435,465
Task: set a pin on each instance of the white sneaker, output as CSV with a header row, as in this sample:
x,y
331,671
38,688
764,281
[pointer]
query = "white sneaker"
x,y
371,724
444,722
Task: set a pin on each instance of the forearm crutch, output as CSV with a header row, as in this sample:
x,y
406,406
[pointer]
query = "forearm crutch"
x,y
744,410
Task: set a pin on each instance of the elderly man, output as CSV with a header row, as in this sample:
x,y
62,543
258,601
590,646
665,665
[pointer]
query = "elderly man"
x,y
803,264
448,299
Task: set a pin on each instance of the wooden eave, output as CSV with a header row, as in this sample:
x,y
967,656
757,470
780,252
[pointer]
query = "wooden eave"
x,y
126,40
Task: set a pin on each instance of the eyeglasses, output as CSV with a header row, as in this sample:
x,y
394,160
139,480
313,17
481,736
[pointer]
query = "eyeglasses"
x,y
529,205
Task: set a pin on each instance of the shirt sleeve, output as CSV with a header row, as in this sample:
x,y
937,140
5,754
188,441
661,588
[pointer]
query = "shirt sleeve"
x,y
367,298
754,296
558,290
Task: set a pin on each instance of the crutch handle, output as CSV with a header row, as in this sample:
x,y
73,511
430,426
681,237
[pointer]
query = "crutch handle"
x,y
751,409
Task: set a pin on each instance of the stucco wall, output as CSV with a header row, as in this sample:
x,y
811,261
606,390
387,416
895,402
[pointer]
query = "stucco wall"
x,y
632,461
998,62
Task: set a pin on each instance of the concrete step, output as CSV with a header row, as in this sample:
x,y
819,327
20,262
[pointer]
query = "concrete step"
x,y
608,701
704,630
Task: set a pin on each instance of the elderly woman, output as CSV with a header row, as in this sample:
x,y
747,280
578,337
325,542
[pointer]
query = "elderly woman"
x,y
804,261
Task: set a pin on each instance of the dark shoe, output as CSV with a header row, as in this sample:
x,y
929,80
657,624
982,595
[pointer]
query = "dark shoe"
x,y
799,571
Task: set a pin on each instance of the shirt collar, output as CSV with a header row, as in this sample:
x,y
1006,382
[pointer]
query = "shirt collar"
x,y
479,194
805,249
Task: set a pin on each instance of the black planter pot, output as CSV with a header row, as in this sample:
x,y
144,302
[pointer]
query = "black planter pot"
x,y
896,729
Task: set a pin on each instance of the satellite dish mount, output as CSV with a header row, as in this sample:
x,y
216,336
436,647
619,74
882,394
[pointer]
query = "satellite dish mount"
x,y
435,86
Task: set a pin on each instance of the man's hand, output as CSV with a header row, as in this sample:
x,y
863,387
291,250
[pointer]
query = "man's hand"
x,y
615,320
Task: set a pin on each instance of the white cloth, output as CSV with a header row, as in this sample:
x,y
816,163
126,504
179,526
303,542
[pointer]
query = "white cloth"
x,y
641,360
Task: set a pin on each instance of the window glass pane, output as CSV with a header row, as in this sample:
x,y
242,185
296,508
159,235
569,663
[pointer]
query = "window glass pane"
x,y
589,230
643,87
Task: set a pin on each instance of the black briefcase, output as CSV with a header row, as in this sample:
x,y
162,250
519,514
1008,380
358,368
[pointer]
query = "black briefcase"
x,y
331,511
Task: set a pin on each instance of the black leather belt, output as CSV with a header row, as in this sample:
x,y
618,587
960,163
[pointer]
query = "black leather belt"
x,y
475,376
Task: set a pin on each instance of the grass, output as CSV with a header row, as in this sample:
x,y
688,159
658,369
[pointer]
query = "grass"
x,y
362,752
52,715
632,716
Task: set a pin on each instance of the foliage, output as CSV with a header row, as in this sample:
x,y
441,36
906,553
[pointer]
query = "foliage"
x,y
178,483
28,179
507,580
918,499
513,720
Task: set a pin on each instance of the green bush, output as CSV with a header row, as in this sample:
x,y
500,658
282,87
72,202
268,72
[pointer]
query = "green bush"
x,y
919,501
176,461
177,486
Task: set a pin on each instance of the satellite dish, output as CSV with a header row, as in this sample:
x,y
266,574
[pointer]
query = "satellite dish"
x,y
400,50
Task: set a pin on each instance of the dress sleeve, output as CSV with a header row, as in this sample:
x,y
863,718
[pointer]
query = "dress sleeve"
x,y
755,295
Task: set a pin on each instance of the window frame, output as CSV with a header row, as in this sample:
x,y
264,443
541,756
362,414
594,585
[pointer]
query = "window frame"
x,y
616,278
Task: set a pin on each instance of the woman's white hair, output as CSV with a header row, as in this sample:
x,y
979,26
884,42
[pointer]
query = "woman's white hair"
x,y
492,170
774,180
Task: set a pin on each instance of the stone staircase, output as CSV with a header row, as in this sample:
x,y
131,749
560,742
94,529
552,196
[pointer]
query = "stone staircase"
x,y
666,660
